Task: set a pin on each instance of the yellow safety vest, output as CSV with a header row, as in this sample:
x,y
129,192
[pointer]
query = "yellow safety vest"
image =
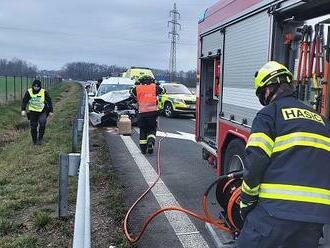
x,y
37,101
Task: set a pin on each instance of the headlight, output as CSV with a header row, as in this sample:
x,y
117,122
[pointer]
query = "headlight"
x,y
176,100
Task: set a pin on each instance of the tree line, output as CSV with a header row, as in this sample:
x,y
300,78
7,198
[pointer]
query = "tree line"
x,y
187,78
86,71
92,71
17,67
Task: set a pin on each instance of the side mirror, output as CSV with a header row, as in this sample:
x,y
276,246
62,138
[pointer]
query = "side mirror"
x,y
91,94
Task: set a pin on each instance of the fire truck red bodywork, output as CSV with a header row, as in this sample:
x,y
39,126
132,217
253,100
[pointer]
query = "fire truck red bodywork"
x,y
217,18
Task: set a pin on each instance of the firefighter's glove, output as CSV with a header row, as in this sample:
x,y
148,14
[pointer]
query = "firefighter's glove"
x,y
23,113
246,205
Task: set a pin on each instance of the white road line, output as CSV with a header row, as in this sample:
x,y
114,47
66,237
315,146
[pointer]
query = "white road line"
x,y
188,136
183,227
181,135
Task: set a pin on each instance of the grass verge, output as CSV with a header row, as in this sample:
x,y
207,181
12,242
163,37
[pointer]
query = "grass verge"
x,y
28,175
107,207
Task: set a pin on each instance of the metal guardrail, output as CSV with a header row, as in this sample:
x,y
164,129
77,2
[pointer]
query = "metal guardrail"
x,y
82,230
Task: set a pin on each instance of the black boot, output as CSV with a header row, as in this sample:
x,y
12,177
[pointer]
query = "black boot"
x,y
34,135
40,138
41,134
143,148
150,145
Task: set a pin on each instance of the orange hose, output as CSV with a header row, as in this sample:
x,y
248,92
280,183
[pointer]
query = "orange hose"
x,y
232,201
228,184
207,218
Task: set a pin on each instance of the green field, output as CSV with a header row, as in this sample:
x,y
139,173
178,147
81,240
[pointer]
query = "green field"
x,y
15,88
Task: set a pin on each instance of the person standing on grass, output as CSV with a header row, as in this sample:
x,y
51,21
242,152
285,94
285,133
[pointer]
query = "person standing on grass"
x,y
39,106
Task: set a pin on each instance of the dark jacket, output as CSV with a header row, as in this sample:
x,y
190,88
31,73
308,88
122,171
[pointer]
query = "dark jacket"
x,y
48,102
288,161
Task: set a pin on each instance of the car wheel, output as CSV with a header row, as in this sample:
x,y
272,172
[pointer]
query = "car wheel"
x,y
168,110
134,121
234,156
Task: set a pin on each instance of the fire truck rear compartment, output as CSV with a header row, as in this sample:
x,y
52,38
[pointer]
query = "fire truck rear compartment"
x,y
208,110
240,52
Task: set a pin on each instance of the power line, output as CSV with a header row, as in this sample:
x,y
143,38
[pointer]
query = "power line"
x,y
94,36
174,36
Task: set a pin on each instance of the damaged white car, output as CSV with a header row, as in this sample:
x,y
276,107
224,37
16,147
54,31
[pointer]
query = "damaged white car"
x,y
112,100
109,107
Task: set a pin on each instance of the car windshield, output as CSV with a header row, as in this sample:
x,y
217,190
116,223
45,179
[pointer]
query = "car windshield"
x,y
112,87
177,89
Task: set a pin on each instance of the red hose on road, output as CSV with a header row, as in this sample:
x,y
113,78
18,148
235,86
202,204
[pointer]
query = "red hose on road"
x,y
206,218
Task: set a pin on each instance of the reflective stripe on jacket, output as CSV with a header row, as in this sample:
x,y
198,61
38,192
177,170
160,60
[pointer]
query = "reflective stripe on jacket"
x,y
37,101
147,98
288,161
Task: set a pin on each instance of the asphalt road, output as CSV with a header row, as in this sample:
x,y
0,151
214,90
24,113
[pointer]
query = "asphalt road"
x,y
184,174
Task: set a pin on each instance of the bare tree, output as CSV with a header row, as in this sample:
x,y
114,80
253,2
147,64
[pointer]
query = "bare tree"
x,y
90,71
17,67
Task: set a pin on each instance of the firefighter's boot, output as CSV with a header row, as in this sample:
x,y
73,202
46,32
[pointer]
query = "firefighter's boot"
x,y
150,144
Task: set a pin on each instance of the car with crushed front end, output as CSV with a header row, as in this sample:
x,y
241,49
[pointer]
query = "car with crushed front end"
x,y
113,100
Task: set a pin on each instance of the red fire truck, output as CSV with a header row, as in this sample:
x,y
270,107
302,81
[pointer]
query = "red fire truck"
x,y
236,37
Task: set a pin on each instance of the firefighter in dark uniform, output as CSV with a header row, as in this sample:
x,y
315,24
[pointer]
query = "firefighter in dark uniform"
x,y
146,93
285,197
39,107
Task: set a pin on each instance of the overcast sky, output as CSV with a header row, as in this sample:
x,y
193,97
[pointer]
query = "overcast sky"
x,y
50,33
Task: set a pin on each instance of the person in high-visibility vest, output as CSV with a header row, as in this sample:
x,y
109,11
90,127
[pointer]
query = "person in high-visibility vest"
x,y
39,106
146,93
285,198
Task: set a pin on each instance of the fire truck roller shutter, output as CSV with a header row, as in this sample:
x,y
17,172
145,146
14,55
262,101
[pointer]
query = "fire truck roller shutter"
x,y
211,43
246,50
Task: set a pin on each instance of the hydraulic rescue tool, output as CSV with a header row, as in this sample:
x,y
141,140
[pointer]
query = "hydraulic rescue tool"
x,y
315,70
325,104
311,76
304,57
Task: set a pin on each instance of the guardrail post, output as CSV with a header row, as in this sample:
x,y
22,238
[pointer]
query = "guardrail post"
x,y
80,125
6,89
82,110
74,135
74,163
63,186
21,87
14,88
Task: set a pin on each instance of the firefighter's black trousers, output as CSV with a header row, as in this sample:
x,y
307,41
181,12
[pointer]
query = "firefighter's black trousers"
x,y
37,118
148,128
264,231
